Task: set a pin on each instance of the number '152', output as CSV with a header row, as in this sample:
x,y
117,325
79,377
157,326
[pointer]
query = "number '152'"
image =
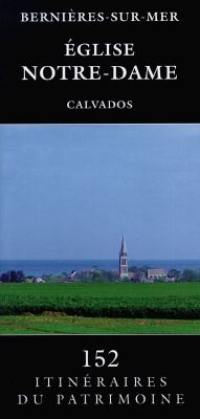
x,y
101,358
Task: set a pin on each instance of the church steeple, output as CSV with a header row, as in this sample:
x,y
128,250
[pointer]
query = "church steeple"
x,y
123,249
123,260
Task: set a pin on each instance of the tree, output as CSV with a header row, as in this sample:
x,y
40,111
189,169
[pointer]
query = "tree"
x,y
174,273
189,275
13,276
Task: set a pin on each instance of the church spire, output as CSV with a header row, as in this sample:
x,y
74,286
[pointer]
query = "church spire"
x,y
123,249
123,260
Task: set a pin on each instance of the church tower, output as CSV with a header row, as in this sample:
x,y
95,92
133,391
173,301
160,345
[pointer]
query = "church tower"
x,y
123,260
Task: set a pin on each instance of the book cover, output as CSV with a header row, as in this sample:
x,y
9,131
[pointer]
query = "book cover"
x,y
99,214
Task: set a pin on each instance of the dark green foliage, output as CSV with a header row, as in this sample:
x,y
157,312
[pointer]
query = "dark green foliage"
x,y
128,300
189,275
12,276
174,273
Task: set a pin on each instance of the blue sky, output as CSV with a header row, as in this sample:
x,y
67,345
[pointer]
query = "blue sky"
x,y
69,191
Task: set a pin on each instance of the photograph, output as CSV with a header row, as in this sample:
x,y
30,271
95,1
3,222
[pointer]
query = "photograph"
x,y
99,229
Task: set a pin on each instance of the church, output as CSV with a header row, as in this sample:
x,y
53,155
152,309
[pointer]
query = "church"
x,y
123,260
151,274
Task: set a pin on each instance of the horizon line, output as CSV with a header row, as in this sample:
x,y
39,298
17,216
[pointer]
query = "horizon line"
x,y
101,259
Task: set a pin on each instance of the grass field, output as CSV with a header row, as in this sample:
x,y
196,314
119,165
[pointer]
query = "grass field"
x,y
54,323
100,308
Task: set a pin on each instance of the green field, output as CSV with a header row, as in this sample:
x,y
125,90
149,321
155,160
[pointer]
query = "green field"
x,y
100,308
55,323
